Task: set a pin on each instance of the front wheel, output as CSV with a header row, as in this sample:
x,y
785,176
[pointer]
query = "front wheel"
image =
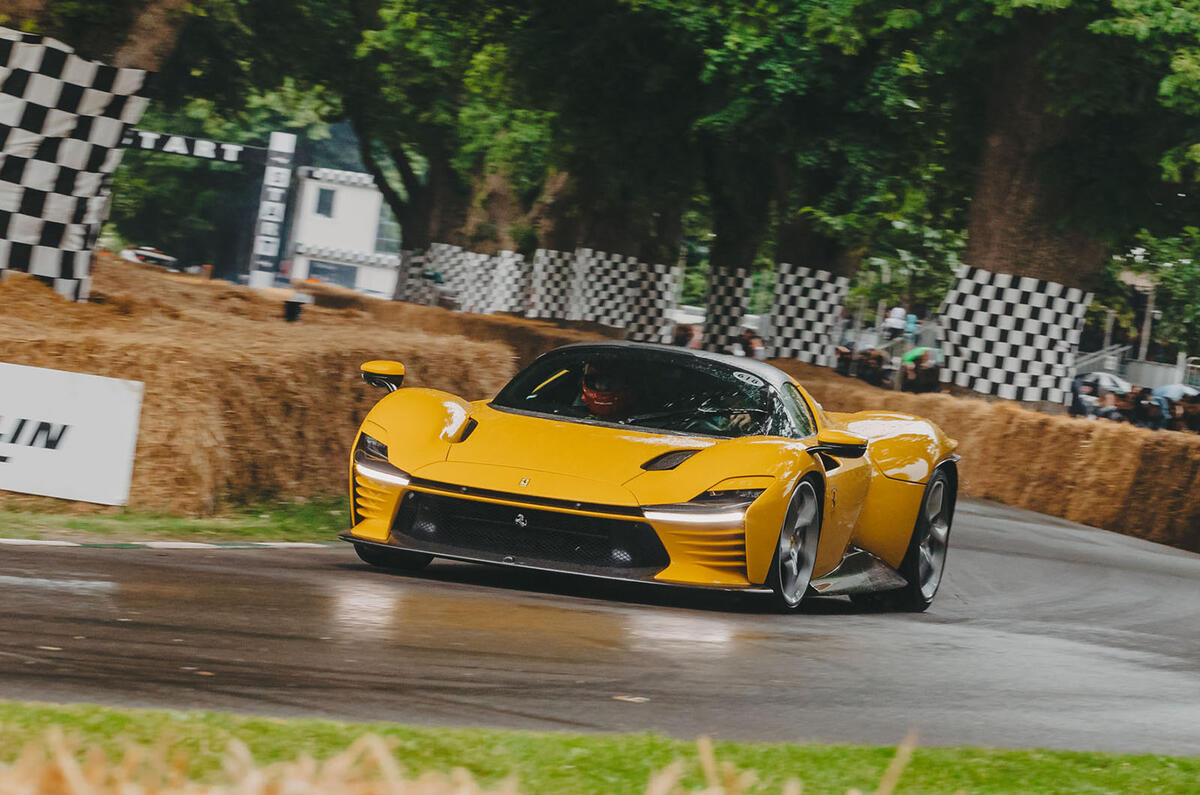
x,y
384,558
925,561
796,551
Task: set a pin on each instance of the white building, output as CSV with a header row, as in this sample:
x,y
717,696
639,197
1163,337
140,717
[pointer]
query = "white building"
x,y
343,232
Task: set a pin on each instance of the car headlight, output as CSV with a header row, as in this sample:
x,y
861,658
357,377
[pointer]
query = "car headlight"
x,y
724,507
371,461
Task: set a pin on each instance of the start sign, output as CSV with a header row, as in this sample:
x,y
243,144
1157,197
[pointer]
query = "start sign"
x,y
67,435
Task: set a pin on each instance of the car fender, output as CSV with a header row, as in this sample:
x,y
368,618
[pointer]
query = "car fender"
x,y
418,425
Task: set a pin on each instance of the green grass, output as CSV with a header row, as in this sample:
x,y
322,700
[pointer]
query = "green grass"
x,y
316,520
615,763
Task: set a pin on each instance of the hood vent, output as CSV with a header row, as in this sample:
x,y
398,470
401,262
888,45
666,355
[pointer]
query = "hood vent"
x,y
668,460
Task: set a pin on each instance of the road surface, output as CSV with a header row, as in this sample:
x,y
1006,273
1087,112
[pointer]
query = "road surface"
x,y
1045,633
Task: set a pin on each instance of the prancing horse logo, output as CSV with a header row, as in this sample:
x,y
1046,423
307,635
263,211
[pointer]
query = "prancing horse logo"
x,y
520,520
524,482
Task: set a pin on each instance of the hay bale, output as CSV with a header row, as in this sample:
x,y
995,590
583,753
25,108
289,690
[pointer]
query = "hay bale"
x,y
1104,474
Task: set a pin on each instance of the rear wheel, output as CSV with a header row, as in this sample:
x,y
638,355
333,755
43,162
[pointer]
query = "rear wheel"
x,y
925,561
796,551
385,558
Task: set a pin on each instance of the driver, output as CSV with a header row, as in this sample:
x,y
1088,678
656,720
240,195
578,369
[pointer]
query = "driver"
x,y
605,391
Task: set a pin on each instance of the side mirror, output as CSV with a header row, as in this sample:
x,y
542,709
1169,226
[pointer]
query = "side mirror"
x,y
384,374
839,444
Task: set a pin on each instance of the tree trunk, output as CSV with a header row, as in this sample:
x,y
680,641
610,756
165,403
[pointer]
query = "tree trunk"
x,y
137,33
1015,223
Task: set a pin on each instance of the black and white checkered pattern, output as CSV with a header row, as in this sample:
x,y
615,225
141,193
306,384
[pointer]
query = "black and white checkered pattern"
x,y
510,283
417,287
551,284
474,294
724,307
1011,336
62,119
604,285
655,294
805,313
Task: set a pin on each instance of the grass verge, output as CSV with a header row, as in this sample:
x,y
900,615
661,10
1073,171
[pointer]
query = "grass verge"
x,y
617,763
315,520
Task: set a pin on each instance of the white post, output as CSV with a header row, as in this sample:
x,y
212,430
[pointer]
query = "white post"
x,y
1144,344
272,207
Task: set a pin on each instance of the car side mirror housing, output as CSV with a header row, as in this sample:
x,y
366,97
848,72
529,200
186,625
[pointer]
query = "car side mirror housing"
x,y
839,444
383,374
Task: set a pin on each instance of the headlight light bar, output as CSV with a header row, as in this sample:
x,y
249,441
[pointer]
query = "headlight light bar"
x,y
370,461
710,508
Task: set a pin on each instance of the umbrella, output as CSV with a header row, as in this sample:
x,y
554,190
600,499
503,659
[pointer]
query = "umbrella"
x,y
1176,392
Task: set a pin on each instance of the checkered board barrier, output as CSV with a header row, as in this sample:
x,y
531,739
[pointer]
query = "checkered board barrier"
x,y
510,283
805,313
62,119
551,284
604,285
416,287
728,296
655,292
1011,336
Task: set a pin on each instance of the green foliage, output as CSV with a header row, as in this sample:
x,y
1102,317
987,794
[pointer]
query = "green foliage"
x,y
582,764
1174,261
200,211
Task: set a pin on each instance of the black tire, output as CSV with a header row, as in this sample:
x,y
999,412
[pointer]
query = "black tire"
x,y
800,534
917,595
385,558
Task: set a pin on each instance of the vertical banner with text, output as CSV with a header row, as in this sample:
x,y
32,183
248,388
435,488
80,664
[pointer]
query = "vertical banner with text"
x,y
272,207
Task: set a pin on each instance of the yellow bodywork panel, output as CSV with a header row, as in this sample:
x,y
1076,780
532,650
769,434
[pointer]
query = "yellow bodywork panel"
x,y
869,502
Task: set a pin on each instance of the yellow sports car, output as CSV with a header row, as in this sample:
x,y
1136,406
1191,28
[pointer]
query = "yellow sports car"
x,y
667,465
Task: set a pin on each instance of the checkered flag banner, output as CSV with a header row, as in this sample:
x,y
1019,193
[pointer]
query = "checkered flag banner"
x,y
62,119
417,287
805,313
655,293
1011,336
550,284
728,297
475,273
604,285
509,283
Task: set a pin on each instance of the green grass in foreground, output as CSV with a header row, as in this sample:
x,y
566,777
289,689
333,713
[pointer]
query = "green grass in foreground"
x,y
617,763
316,520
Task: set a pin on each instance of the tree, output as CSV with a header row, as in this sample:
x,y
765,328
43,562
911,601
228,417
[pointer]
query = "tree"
x,y
136,33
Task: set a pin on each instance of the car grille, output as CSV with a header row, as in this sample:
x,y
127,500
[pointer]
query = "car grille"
x,y
528,536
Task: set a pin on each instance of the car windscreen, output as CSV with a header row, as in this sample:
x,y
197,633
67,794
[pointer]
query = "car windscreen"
x,y
647,389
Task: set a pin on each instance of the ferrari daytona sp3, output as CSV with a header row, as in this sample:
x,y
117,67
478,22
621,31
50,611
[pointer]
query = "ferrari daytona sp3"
x,y
659,464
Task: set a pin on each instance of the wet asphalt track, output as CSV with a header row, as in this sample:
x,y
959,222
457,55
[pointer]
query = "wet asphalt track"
x,y
1045,634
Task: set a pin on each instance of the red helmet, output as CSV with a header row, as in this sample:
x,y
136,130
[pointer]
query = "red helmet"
x,y
604,393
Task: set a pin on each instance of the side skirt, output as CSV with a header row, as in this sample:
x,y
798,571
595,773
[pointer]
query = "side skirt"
x,y
859,572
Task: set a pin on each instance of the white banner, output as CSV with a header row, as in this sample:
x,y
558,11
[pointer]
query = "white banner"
x,y
67,435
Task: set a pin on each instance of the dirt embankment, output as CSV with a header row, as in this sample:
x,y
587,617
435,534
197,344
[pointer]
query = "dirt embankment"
x,y
1139,482
240,405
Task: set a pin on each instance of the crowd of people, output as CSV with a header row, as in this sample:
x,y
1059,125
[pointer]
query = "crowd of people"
x,y
1140,407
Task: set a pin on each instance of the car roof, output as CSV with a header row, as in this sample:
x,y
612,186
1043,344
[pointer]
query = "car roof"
x,y
770,374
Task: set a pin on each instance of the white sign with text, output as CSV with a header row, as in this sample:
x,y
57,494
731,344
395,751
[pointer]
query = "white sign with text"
x,y
67,435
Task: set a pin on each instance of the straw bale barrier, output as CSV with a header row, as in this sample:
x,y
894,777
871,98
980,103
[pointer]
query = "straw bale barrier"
x,y
239,404
1105,474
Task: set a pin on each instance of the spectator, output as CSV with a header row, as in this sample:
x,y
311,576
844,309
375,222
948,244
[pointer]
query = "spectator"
x,y
684,335
894,323
1107,409
1149,411
1079,406
910,328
